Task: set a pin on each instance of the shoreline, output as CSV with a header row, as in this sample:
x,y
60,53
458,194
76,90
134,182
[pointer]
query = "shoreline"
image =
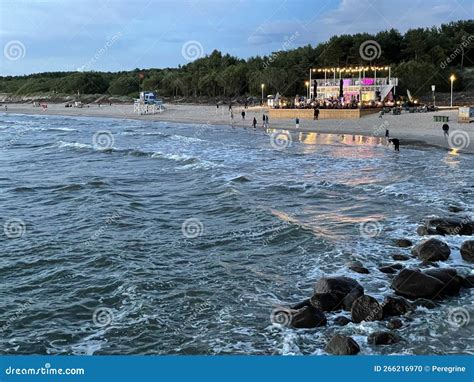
x,y
415,129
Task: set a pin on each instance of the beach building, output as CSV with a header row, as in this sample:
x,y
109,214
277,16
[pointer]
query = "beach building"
x,y
364,84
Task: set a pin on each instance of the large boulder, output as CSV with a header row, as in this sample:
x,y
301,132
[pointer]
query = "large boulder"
x,y
413,284
467,251
431,250
307,317
342,345
395,306
344,288
327,302
366,308
449,277
383,338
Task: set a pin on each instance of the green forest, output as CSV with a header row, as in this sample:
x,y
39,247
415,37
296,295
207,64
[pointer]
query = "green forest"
x,y
420,57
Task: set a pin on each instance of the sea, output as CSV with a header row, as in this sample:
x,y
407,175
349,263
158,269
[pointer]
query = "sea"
x,y
140,237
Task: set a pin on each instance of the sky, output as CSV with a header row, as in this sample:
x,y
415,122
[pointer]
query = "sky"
x,y
112,35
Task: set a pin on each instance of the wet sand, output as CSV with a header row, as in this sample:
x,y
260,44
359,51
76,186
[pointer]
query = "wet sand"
x,y
411,129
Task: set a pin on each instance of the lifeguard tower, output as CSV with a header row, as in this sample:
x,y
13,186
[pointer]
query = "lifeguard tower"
x,y
148,104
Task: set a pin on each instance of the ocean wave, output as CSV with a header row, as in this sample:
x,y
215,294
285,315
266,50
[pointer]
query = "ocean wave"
x,y
75,145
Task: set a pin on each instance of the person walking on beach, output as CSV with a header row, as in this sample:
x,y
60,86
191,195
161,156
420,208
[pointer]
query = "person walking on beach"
x,y
446,129
264,124
316,114
266,120
231,117
387,133
243,115
254,123
297,122
396,143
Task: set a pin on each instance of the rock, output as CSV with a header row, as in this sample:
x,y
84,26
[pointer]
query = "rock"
x,y
327,302
431,250
345,288
455,209
424,231
342,345
383,338
387,269
400,257
397,266
357,267
423,302
467,251
453,226
414,284
307,317
366,308
395,306
403,243
341,321
449,277
467,281
300,305
394,323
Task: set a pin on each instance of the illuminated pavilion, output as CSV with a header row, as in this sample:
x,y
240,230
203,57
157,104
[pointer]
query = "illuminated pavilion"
x,y
352,84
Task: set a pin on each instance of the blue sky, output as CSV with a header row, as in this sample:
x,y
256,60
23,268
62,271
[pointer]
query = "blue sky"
x,y
112,35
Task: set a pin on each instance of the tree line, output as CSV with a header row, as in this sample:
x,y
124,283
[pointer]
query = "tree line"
x,y
419,58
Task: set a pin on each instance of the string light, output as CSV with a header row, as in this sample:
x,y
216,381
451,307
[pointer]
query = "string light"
x,y
351,69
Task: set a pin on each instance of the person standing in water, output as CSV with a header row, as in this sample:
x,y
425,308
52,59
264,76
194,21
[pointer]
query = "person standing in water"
x,y
396,143
266,120
254,123
243,115
263,121
297,122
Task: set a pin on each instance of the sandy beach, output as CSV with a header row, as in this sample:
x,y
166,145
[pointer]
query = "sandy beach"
x,y
415,128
